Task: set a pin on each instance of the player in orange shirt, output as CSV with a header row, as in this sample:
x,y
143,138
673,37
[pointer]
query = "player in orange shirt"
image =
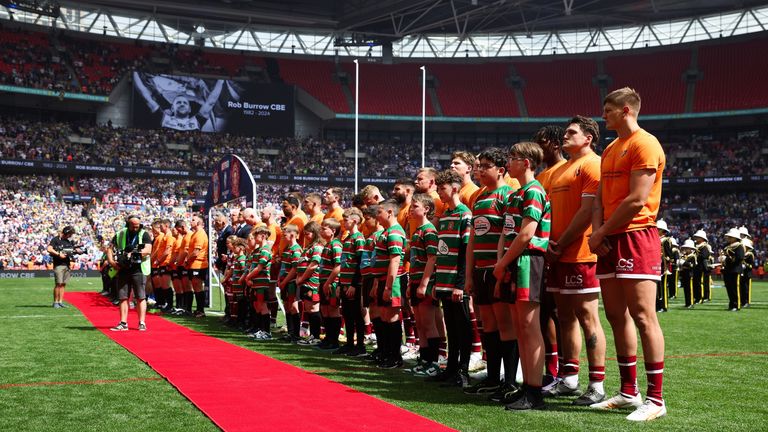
x,y
572,190
425,183
463,163
626,241
184,296
550,139
313,207
197,263
332,198
293,216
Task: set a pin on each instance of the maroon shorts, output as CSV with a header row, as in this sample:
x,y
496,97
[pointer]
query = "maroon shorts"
x,y
573,278
633,255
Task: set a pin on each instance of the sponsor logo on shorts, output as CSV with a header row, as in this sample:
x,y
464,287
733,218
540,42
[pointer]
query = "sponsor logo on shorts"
x,y
482,225
509,224
442,247
625,264
574,281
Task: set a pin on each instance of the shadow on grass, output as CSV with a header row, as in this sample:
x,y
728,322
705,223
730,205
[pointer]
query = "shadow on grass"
x,y
83,328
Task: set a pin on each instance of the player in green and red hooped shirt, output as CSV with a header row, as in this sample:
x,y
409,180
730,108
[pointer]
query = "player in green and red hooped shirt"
x,y
350,283
389,266
499,337
450,277
329,286
286,281
309,280
258,279
523,244
423,257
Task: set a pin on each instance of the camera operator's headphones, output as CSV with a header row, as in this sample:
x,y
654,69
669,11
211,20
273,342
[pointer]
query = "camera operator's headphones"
x,y
133,216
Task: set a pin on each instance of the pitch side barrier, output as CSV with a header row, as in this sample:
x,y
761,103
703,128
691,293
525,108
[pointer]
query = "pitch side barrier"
x,y
42,167
48,274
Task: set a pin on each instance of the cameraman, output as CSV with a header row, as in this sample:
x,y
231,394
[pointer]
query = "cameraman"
x,y
61,250
133,246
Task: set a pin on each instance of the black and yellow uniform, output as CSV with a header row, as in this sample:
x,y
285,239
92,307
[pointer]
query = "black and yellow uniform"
x,y
662,296
686,275
745,282
700,272
733,266
706,279
674,267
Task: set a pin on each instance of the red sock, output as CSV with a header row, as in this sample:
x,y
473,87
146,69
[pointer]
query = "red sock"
x,y
570,367
655,374
412,320
596,373
443,347
550,359
410,329
477,345
368,329
628,373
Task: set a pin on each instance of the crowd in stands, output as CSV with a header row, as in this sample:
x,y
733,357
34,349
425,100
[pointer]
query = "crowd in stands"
x,y
710,157
27,60
21,139
32,212
716,214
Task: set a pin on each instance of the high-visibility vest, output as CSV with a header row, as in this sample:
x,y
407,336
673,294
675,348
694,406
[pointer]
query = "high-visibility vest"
x,y
146,266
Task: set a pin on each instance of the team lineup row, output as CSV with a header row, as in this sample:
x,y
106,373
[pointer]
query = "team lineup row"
x,y
512,249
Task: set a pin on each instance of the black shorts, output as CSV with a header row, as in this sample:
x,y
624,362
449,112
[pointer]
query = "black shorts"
x,y
415,300
483,286
128,283
179,273
159,271
198,274
367,287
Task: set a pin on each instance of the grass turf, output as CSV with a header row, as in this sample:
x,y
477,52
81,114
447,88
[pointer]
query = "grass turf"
x,y
710,354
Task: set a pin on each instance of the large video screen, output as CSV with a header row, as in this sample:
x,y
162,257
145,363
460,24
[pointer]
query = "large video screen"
x,y
187,103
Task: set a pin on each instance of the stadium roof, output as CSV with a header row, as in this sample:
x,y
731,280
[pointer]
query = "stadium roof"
x,y
399,18
413,28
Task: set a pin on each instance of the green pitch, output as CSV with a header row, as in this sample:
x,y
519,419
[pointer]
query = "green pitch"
x,y
57,373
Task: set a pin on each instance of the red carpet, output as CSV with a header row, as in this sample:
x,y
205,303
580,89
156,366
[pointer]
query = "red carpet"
x,y
254,392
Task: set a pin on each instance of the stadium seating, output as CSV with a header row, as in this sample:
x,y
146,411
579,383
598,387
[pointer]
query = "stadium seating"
x,y
316,77
560,88
474,90
658,76
733,76
557,87
388,89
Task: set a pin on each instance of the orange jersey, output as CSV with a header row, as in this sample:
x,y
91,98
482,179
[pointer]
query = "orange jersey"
x,y
571,182
170,246
439,206
318,218
545,176
640,151
299,219
512,182
184,248
338,214
157,246
275,236
199,240
466,193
